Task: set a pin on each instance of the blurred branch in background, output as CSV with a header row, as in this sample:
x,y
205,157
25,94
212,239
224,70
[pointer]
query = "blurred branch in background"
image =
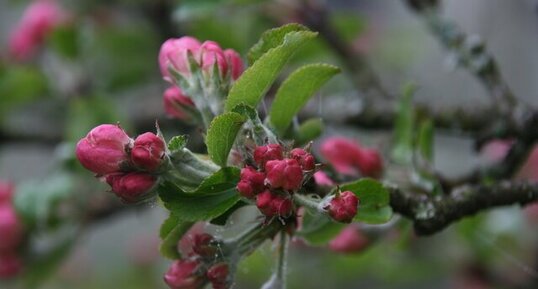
x,y
432,214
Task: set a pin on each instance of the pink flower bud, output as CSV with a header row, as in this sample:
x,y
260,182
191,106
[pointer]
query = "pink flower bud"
x,y
370,163
218,275
11,229
350,240
269,152
10,265
6,192
252,182
322,179
343,207
342,154
38,20
131,187
103,150
286,174
234,62
306,160
148,151
182,275
204,245
175,103
174,52
210,54
272,204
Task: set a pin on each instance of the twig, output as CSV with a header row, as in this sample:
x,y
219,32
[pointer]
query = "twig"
x,y
432,214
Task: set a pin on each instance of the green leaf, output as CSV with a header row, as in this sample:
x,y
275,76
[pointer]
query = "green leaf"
x,y
257,79
36,201
271,39
221,136
178,143
295,92
425,139
308,131
215,196
171,232
318,229
373,201
402,151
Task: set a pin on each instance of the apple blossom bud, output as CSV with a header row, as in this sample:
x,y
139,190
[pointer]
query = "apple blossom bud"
x,y
342,154
234,62
272,204
269,152
322,179
6,192
286,174
251,183
204,245
370,163
11,230
148,151
37,22
350,240
174,53
210,54
10,265
131,187
343,207
182,274
306,160
218,276
103,150
175,103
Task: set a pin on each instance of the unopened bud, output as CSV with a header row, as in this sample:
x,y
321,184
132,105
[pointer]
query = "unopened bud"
x,y
204,245
103,150
235,63
10,265
350,240
251,183
273,204
6,192
183,274
370,163
148,151
305,159
343,207
286,174
263,154
218,275
11,229
132,187
174,53
176,104
211,54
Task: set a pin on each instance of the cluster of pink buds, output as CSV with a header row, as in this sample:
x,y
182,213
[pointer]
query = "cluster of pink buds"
x,y
348,157
11,233
275,179
200,267
38,21
175,54
129,166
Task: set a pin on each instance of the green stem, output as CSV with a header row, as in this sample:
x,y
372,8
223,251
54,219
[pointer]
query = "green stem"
x,y
282,258
308,202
